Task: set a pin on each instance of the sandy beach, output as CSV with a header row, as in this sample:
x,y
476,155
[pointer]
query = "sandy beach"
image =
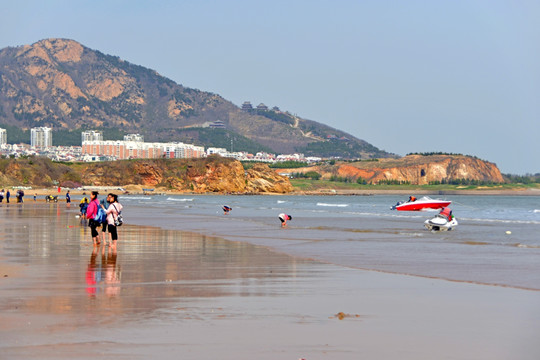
x,y
169,294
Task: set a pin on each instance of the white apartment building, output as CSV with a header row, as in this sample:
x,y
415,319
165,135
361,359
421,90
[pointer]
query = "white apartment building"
x,y
91,135
3,137
41,137
134,137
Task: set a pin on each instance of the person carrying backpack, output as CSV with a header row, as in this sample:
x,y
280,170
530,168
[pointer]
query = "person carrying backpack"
x,y
92,216
114,218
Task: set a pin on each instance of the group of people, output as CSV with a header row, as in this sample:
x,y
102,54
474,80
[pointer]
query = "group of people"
x,y
7,195
112,209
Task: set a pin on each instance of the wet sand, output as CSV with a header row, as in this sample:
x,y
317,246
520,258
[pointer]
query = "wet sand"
x,y
169,294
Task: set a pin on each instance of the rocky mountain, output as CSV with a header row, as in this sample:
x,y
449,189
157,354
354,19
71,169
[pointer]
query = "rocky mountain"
x,y
413,169
212,174
62,84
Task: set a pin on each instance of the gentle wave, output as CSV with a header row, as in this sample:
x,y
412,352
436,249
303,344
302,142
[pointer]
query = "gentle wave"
x,y
333,205
182,200
281,201
138,197
503,221
536,211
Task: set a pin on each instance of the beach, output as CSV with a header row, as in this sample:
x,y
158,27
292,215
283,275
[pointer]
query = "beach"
x,y
187,281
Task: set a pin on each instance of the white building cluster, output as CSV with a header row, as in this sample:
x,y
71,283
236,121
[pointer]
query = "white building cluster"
x,y
94,148
261,156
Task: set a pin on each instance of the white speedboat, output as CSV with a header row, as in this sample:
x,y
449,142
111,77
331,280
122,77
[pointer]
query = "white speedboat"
x,y
443,221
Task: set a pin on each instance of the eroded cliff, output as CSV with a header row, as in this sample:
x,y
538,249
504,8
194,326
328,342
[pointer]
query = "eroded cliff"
x,y
413,169
213,174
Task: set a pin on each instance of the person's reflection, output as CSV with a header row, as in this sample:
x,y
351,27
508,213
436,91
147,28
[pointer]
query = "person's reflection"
x,y
111,274
93,274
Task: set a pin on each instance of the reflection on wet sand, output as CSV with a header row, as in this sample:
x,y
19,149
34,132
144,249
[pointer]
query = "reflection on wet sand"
x,y
150,269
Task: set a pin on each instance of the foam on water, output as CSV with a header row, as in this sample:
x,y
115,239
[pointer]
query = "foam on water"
x,y
181,200
332,205
136,197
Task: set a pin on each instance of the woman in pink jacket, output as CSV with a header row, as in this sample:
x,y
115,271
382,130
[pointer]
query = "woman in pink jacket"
x,y
91,213
112,214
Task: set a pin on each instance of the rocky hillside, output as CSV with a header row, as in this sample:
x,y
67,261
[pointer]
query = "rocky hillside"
x,y
413,169
213,174
62,84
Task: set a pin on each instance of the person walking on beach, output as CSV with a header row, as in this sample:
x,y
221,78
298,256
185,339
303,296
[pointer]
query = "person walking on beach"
x,y
283,218
112,215
8,194
68,199
2,195
91,213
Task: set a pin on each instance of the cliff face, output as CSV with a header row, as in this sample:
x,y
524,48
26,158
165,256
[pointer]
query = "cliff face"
x,y
199,175
415,169
218,175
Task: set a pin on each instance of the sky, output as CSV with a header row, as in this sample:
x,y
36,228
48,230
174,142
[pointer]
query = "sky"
x,y
460,76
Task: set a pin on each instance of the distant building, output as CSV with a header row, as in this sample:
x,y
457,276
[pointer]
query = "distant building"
x,y
218,124
41,137
246,106
3,137
91,135
216,151
134,137
263,107
121,150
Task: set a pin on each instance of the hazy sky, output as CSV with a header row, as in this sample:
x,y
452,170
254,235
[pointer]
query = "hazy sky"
x,y
406,76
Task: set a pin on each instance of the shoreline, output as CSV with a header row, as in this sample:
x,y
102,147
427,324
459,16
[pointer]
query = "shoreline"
x,y
137,190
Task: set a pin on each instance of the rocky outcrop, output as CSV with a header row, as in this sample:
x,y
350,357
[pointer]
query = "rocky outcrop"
x,y
413,169
261,179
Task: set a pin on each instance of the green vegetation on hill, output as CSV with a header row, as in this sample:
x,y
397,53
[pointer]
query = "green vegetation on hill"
x,y
16,135
220,138
339,149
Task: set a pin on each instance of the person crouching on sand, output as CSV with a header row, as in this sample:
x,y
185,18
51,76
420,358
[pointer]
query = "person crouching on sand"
x,y
283,218
226,209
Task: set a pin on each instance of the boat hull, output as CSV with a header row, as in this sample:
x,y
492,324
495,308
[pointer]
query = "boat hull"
x,y
418,206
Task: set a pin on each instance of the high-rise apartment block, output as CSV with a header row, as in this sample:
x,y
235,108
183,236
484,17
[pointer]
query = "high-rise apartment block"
x,y
3,137
91,135
41,137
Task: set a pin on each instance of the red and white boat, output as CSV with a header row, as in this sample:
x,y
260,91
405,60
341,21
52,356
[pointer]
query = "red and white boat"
x,y
423,203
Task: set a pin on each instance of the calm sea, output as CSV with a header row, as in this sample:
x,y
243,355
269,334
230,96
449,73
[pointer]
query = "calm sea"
x,y
497,241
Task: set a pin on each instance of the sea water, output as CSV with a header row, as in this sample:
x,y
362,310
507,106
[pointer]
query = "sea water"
x,y
497,241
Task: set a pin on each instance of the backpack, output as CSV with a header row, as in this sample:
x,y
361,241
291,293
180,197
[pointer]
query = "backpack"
x,y
119,218
101,215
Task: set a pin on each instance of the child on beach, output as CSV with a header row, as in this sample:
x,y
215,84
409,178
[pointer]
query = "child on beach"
x,y
283,218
